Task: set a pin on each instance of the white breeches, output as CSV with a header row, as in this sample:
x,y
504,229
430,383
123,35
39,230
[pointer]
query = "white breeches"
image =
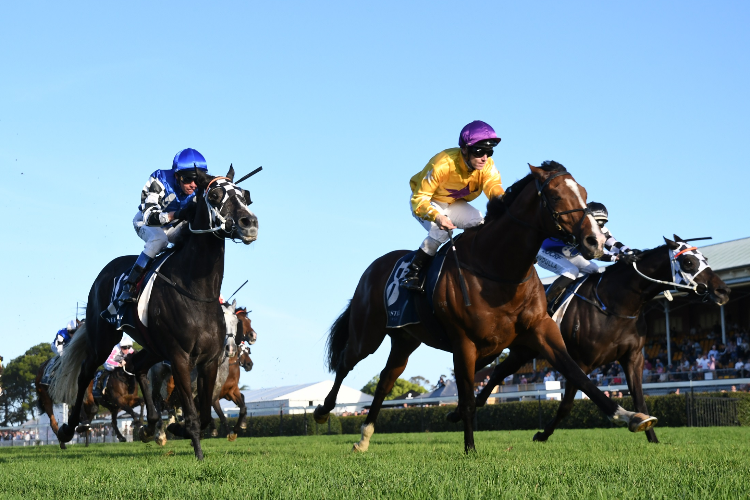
x,y
157,237
460,213
566,266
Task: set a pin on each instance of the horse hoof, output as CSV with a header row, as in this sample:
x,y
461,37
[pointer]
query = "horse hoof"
x,y
214,433
231,437
65,433
63,447
161,440
540,437
243,426
319,416
641,422
122,440
453,417
144,435
359,449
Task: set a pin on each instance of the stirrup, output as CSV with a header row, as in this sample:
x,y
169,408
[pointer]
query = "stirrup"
x,y
413,283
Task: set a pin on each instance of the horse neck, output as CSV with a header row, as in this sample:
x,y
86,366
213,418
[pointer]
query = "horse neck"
x,y
200,263
508,248
623,286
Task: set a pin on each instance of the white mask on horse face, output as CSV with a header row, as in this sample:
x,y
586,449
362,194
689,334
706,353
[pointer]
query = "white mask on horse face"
x,y
680,276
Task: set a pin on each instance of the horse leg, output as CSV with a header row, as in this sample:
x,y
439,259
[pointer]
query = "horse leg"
x,y
113,411
402,345
464,361
515,360
222,422
562,411
363,338
141,362
547,339
206,385
240,402
633,366
48,409
190,428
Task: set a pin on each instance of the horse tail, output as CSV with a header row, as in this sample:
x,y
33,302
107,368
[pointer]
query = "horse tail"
x,y
64,385
338,336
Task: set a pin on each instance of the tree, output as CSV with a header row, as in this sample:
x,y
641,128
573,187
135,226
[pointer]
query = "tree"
x,y
19,397
400,387
419,380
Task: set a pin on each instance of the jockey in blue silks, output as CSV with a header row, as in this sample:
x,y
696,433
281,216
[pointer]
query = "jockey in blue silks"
x,y
167,203
63,336
567,261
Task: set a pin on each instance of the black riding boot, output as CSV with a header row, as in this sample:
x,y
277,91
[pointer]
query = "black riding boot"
x,y
128,293
415,275
555,290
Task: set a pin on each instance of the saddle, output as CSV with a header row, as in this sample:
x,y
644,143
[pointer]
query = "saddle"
x,y
128,316
100,383
561,305
49,371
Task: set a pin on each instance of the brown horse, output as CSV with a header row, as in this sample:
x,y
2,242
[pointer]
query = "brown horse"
x,y
120,393
508,305
603,323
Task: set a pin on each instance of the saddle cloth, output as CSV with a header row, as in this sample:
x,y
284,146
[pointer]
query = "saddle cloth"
x,y
99,389
568,294
400,303
125,315
49,371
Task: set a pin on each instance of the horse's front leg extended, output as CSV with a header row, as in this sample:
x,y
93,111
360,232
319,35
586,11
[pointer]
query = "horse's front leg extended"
x,y
190,429
633,366
88,369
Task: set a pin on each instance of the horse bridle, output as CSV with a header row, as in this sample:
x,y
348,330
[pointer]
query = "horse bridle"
x,y
214,213
688,278
567,236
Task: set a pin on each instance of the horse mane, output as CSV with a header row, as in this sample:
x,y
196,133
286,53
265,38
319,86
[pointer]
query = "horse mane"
x,y
645,254
497,206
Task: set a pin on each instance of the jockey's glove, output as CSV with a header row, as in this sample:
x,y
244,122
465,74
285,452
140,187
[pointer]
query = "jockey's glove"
x,y
186,213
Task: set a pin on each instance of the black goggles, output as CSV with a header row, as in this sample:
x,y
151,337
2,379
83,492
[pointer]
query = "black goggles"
x,y
186,178
480,152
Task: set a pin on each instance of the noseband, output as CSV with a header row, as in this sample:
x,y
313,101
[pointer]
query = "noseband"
x,y
678,275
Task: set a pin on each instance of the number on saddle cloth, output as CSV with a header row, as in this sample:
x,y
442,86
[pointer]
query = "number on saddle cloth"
x,y
400,307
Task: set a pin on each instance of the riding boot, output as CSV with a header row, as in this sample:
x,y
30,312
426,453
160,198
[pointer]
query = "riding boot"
x,y
128,293
555,290
414,276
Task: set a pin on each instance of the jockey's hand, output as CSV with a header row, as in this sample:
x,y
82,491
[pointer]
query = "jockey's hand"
x,y
444,223
186,213
628,258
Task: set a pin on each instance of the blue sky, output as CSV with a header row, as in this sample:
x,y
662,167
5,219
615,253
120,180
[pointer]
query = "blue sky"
x,y
646,103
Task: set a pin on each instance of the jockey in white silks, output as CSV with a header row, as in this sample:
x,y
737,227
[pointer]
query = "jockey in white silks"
x,y
567,261
62,337
442,189
167,203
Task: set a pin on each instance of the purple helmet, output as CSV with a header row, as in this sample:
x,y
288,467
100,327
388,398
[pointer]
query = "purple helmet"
x,y
478,131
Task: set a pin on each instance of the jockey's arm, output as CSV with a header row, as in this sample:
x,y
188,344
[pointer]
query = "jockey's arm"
x,y
152,197
492,185
424,185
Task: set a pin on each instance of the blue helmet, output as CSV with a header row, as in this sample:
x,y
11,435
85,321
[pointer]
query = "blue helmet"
x,y
186,158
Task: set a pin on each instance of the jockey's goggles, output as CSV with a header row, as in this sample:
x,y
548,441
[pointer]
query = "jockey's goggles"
x,y
480,152
186,178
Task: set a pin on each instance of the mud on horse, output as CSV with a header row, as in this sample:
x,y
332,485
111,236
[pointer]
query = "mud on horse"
x,y
186,325
508,305
603,323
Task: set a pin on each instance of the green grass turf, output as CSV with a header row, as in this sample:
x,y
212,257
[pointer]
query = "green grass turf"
x,y
599,463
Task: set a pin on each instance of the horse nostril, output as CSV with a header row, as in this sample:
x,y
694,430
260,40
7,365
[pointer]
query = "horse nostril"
x,y
592,241
723,292
248,222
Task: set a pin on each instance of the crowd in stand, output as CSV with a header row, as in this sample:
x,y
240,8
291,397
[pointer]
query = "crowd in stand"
x,y
25,437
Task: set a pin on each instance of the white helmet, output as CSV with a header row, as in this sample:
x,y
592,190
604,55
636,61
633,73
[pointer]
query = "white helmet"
x,y
126,342
71,325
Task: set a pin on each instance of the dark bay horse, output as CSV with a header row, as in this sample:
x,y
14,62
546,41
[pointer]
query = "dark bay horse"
x,y
120,393
186,324
606,325
508,304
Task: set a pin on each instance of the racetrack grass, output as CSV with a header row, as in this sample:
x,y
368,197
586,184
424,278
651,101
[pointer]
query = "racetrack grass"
x,y
598,463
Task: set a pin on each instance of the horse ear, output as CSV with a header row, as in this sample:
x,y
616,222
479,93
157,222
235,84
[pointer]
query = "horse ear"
x,y
671,244
234,305
201,178
230,174
677,238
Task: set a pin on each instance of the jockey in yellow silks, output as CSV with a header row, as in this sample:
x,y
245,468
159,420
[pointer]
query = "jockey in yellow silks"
x,y
442,190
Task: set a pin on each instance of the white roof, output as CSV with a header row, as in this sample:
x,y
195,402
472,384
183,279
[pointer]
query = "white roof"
x,y
302,394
